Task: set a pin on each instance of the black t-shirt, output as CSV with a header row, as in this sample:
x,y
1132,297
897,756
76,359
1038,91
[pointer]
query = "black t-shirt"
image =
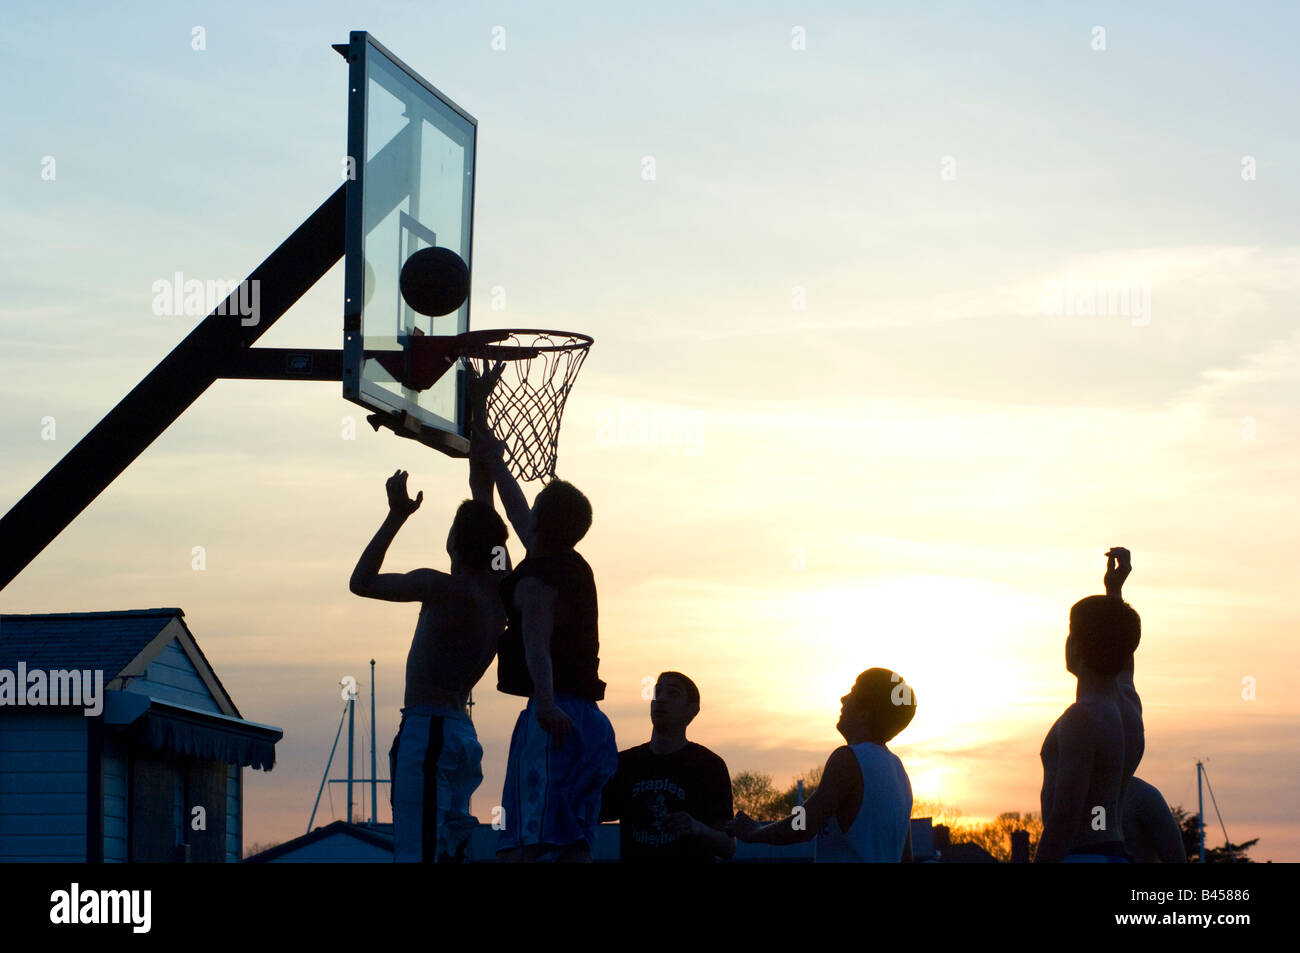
x,y
649,786
575,642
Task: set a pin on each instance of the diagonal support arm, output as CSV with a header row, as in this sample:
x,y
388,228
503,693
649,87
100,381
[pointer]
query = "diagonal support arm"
x,y
208,352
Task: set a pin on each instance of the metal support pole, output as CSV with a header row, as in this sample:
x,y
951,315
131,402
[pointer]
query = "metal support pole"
x,y
374,785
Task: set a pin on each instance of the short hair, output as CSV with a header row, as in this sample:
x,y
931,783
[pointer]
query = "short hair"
x,y
692,693
563,514
888,700
476,532
1105,631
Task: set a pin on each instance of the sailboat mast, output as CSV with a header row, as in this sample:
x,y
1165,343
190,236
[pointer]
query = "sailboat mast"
x,y
374,773
352,717
1200,810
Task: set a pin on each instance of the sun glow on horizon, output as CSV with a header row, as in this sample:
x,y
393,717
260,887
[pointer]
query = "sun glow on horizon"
x,y
949,637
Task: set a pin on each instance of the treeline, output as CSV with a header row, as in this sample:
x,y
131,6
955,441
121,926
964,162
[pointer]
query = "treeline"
x,y
757,796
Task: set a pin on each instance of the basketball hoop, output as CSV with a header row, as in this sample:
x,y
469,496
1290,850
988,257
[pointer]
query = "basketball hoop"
x,y
524,407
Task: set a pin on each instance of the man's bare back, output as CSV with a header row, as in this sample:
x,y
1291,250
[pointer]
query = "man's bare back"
x,y
455,640
1083,770
1150,831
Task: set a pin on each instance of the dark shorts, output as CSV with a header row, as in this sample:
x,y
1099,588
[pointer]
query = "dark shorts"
x,y
553,791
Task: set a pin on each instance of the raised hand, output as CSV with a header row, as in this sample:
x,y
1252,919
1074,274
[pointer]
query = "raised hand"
x,y
1118,566
479,388
399,502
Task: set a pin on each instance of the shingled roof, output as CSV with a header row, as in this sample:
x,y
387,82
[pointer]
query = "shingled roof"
x,y
123,644
97,640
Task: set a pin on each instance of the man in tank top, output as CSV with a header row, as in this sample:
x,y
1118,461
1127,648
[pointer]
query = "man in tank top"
x,y
562,750
861,811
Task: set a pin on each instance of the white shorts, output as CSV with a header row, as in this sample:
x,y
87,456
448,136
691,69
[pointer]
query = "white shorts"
x,y
435,763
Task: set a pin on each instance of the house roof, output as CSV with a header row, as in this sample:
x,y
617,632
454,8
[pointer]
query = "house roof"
x,y
120,643
964,853
380,836
123,644
94,640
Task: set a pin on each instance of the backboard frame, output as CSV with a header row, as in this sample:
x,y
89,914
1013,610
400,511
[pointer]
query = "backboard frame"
x,y
448,436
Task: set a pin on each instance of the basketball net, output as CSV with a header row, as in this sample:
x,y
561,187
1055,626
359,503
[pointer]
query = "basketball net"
x,y
524,408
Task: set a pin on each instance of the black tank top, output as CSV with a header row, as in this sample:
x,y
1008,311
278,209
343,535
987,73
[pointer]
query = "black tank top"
x,y
575,645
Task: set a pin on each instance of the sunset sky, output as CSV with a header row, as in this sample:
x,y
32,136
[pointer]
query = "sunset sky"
x,y
832,419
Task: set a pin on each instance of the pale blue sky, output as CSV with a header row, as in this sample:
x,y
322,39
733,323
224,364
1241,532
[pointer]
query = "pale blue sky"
x,y
920,432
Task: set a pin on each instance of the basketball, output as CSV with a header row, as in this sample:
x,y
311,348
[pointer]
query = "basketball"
x,y
435,281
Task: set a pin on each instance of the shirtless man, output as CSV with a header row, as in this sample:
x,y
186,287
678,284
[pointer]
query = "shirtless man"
x,y
861,811
1150,832
1084,753
436,761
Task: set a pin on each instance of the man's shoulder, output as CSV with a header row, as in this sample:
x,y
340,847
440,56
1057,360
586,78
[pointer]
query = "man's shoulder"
x,y
571,561
1094,707
706,758
873,754
568,562
575,565
489,581
439,585
454,586
1090,717
636,751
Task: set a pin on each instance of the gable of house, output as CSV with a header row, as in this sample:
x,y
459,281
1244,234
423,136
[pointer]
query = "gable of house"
x,y
169,735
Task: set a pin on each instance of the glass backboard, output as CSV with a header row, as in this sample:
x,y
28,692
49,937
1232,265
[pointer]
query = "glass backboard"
x,y
414,189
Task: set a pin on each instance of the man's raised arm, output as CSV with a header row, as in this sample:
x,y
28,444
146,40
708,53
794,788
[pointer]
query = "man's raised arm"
x,y
512,497
837,783
536,602
368,581
480,470
488,449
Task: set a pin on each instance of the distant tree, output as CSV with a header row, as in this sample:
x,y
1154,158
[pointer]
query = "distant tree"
x,y
995,837
753,793
939,813
1190,825
783,804
756,795
251,849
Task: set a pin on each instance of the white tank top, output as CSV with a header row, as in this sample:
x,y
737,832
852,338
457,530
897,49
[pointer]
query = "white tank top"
x,y
878,833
